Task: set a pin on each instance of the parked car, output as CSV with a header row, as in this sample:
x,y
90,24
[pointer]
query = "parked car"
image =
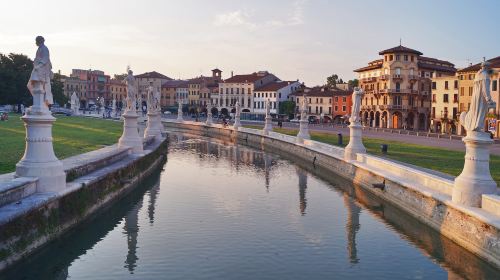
x,y
295,120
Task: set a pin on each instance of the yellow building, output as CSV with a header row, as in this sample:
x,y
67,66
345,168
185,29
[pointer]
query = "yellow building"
x,y
118,91
398,87
466,84
444,110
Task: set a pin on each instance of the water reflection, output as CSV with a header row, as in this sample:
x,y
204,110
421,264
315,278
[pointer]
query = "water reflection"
x,y
302,174
131,229
352,227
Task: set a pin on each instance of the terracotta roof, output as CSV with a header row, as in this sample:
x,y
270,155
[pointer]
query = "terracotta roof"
x,y
369,67
216,70
248,78
153,75
494,63
275,86
441,68
400,49
174,84
116,82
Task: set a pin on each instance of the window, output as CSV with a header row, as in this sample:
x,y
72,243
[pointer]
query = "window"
x,y
445,97
494,85
398,71
434,98
390,57
445,84
398,57
433,85
336,108
406,57
462,90
336,99
411,58
433,112
470,91
398,87
344,99
344,108
455,98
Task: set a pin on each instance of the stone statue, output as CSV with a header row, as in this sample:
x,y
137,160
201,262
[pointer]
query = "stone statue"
x,y
130,100
481,101
357,95
150,98
303,113
268,107
74,100
42,72
237,109
157,100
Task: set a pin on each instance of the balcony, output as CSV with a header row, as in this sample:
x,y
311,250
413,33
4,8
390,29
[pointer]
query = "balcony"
x,y
397,77
369,80
413,77
384,77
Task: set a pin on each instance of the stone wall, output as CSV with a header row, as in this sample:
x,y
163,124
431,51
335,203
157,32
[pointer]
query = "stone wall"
x,y
426,195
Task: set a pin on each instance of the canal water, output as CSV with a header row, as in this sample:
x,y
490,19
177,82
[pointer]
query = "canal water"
x,y
223,211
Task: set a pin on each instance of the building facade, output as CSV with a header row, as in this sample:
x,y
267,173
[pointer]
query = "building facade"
x,y
169,92
444,108
240,88
319,101
398,88
277,92
118,92
143,81
342,105
92,85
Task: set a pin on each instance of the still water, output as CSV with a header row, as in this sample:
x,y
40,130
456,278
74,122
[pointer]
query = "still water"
x,y
222,211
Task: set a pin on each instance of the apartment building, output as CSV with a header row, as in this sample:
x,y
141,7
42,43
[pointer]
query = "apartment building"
x,y
342,105
398,88
444,108
169,92
118,92
90,86
143,82
319,100
277,92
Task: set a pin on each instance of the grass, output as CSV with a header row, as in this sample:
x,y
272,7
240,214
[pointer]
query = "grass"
x,y
72,136
438,159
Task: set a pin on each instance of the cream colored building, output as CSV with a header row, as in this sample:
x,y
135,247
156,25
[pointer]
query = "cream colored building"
x,y
143,81
444,108
319,101
118,91
398,88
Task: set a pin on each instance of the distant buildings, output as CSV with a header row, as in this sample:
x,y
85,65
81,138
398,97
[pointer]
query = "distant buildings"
x,y
169,92
444,108
89,85
277,92
398,88
143,81
322,101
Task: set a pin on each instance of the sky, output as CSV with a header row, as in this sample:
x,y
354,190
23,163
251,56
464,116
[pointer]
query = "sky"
x,y
297,39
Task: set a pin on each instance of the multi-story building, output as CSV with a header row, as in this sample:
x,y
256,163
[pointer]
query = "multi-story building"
x,y
277,92
182,92
444,108
198,99
397,88
241,88
93,85
143,81
342,105
169,92
319,101
118,92
466,84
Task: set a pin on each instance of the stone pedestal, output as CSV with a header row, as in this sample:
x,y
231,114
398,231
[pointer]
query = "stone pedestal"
x,y
355,142
475,179
39,159
268,126
154,125
237,122
130,136
303,131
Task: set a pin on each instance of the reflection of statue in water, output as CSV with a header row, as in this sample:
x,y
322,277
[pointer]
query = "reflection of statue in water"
x,y
131,228
357,95
267,170
153,193
481,101
130,100
352,227
302,174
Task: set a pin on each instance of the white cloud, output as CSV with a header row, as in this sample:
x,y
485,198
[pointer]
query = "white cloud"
x,y
235,18
296,17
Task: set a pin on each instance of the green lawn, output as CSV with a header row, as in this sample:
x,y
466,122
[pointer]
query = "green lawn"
x,y
446,161
72,136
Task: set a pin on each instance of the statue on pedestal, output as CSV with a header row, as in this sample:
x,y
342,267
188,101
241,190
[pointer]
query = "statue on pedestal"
x,y
42,72
237,113
304,122
357,96
355,145
303,113
130,100
150,99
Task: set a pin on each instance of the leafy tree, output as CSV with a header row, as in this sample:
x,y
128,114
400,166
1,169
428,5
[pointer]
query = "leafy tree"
x,y
15,70
353,83
58,89
287,107
120,77
332,81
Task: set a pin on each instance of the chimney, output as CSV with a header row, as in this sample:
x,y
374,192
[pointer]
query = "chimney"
x,y
231,73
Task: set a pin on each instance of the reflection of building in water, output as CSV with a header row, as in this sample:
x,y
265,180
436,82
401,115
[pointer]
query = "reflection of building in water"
x,y
302,174
352,227
131,228
267,169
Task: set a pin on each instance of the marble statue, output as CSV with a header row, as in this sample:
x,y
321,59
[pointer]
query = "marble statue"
x,y
74,100
130,100
150,98
303,113
268,107
237,109
481,101
42,72
157,100
357,96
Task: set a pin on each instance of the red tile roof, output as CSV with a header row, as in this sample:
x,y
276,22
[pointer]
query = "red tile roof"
x,y
175,84
153,75
400,49
322,92
275,86
494,63
248,78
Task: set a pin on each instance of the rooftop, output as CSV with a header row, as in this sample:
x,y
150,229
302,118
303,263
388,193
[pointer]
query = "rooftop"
x,y
247,78
153,75
322,92
400,49
494,63
275,86
174,84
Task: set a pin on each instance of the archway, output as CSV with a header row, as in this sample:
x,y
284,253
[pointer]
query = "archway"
x,y
377,119
397,120
214,111
224,111
422,122
233,111
365,118
410,120
372,119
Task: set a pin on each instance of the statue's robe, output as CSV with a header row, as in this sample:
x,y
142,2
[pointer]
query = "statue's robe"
x,y
42,72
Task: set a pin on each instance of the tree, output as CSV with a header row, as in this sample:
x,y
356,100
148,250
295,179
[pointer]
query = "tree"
x,y
15,71
353,83
58,89
120,77
287,107
332,81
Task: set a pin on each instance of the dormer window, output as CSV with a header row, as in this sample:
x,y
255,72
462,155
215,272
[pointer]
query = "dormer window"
x,y
406,57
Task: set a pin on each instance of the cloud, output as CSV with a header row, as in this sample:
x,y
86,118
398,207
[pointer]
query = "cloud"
x,y
242,18
235,18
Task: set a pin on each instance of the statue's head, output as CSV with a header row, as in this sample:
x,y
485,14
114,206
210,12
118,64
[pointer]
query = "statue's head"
x,y
39,40
130,71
